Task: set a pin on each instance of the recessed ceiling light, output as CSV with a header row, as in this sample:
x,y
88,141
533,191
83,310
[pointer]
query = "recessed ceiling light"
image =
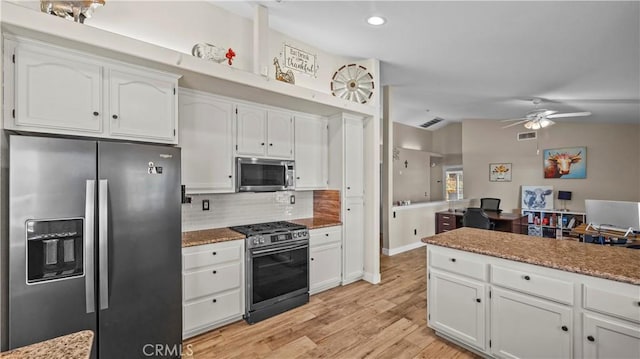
x,y
376,20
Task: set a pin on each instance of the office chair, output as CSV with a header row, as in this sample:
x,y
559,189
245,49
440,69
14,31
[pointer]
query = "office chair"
x,y
476,218
490,204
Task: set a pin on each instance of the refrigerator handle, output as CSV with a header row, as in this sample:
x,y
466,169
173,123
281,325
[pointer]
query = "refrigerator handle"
x,y
103,250
89,230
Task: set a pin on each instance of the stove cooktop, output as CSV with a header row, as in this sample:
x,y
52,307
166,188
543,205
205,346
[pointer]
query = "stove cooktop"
x,y
267,228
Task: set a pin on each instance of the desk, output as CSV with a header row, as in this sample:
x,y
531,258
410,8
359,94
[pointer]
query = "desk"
x,y
505,222
582,230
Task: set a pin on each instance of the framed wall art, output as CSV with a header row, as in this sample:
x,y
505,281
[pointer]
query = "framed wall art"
x,y
500,172
537,197
565,163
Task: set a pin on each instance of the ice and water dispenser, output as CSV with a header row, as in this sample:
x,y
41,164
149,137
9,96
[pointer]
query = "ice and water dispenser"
x,y
54,249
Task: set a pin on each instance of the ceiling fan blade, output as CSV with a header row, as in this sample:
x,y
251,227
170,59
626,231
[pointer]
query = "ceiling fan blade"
x,y
516,123
514,119
571,114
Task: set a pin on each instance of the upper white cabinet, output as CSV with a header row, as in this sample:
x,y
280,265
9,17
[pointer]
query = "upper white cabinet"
x,y
264,133
206,138
50,89
311,151
354,157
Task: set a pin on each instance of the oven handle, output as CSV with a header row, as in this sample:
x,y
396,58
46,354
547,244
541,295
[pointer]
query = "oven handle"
x,y
279,249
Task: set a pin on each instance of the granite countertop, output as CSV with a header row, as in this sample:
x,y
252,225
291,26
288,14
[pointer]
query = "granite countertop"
x,y
72,346
208,236
615,263
317,222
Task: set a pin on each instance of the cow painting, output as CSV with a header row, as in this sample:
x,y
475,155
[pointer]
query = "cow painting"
x,y
565,163
537,197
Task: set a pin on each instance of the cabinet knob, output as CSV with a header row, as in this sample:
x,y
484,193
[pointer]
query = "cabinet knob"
x,y
262,144
215,300
230,176
348,187
215,271
297,177
526,277
96,113
271,144
638,303
348,209
214,253
591,339
311,258
564,328
115,117
326,234
453,259
478,300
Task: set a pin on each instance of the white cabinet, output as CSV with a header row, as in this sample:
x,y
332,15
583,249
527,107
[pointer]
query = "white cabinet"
x,y
50,89
142,105
457,307
206,138
523,326
354,157
213,286
606,338
325,258
264,133
311,151
353,242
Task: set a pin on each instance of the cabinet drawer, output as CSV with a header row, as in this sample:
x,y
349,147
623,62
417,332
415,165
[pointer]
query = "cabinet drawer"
x,y
617,304
212,280
212,254
453,262
448,219
322,236
536,284
213,309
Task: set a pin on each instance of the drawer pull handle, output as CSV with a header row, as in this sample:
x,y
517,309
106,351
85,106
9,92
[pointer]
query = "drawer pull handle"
x,y
591,339
526,277
478,300
453,259
115,117
215,271
215,300
564,328
326,234
96,113
214,253
445,217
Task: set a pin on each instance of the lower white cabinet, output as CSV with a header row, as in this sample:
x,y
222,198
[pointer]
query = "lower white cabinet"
x,y
353,243
606,338
325,258
457,307
523,326
213,286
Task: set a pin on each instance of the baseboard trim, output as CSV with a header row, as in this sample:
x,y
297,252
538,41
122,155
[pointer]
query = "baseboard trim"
x,y
405,248
373,278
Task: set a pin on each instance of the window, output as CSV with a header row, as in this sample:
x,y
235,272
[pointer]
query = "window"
x,y
453,183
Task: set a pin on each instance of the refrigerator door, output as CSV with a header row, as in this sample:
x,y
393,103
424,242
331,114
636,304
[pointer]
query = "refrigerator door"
x,y
140,288
51,202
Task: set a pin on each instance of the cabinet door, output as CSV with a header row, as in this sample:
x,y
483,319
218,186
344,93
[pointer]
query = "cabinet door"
x,y
252,131
325,266
57,92
279,134
457,307
538,332
206,139
311,150
353,247
606,338
354,158
142,105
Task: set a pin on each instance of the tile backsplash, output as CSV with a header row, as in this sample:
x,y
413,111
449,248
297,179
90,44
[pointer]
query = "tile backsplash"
x,y
234,209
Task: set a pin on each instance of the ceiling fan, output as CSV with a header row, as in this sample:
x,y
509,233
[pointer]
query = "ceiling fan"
x,y
541,118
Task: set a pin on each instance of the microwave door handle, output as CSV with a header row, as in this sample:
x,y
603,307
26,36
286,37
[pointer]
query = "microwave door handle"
x,y
103,237
89,230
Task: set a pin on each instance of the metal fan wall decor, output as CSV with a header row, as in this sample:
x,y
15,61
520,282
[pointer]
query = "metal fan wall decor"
x,y
541,118
352,82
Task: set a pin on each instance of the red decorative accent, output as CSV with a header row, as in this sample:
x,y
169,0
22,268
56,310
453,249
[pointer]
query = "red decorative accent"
x,y
230,55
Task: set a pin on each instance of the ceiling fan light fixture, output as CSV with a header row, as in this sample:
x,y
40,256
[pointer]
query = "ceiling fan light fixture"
x,y
376,20
544,123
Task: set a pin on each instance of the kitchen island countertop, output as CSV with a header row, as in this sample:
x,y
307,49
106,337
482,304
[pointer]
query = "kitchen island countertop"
x,y
614,263
71,346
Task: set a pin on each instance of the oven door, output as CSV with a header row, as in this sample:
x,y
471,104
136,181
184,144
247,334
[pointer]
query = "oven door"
x,y
277,273
259,175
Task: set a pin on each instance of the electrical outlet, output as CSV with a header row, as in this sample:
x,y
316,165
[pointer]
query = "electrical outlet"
x,y
205,204
292,199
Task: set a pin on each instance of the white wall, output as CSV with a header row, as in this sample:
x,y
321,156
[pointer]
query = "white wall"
x,y
413,181
612,161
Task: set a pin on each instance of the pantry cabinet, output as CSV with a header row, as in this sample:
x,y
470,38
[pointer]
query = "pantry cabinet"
x,y
311,152
206,138
354,157
353,242
264,133
50,89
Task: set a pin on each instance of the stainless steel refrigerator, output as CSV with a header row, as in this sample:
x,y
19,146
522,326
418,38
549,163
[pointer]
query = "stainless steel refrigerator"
x,y
95,243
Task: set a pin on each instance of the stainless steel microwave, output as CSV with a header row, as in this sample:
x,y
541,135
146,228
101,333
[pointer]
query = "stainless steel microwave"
x,y
264,175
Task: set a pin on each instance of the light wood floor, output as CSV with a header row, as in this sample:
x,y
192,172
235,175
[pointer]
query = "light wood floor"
x,y
359,320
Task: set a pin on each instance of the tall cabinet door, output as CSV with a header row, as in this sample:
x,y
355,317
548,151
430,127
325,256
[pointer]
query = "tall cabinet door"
x,y
609,338
206,139
57,91
539,331
311,152
353,247
142,106
252,131
279,134
354,158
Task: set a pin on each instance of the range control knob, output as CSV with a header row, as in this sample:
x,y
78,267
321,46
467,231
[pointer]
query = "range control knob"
x,y
261,240
256,241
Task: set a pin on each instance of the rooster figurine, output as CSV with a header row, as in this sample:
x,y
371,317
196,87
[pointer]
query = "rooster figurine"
x,y
209,52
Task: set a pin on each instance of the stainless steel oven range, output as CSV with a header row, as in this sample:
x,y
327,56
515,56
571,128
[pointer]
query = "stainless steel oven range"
x,y
277,268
